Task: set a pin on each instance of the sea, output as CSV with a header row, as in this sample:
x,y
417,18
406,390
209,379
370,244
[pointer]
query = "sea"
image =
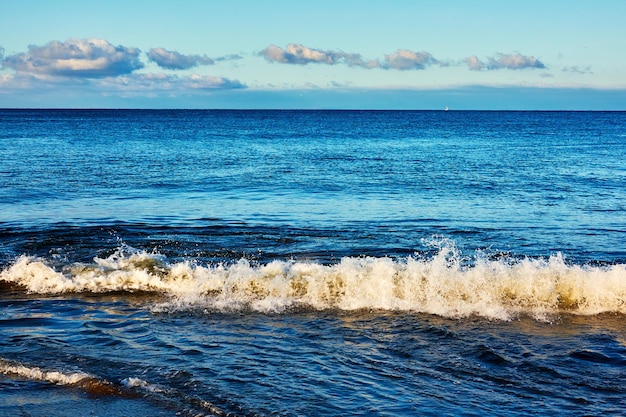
x,y
312,263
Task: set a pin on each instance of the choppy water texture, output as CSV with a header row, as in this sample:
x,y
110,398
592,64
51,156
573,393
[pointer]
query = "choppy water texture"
x,y
256,263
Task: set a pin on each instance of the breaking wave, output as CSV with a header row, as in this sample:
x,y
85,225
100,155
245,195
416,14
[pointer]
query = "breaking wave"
x,y
442,284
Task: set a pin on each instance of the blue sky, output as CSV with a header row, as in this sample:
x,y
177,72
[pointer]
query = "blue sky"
x,y
314,54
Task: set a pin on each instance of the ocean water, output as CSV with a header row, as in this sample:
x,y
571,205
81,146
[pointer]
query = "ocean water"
x,y
312,263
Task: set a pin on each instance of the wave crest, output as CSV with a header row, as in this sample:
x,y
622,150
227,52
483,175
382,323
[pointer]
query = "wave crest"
x,y
441,285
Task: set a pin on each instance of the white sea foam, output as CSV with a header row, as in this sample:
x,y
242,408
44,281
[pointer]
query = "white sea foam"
x,y
37,374
134,382
138,383
86,382
440,285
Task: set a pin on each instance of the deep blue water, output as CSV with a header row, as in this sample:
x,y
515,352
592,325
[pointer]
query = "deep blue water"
x,y
312,262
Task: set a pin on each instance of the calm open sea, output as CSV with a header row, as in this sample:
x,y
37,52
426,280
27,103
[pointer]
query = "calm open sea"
x,y
312,263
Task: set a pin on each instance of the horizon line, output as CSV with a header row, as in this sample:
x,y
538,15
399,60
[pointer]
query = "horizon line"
x,y
444,110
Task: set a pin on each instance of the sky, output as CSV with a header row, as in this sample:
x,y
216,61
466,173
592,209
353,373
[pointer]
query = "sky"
x,y
337,54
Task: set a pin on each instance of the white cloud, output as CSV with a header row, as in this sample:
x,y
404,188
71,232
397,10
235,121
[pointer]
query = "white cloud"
x,y
404,60
474,63
514,61
303,55
298,54
87,58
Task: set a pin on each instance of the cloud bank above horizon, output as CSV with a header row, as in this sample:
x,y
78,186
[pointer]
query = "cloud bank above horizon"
x,y
96,58
98,66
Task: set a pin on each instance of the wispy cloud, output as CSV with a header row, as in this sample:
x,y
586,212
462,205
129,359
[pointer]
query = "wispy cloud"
x,y
170,82
130,83
88,58
578,70
514,61
207,82
174,60
303,55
